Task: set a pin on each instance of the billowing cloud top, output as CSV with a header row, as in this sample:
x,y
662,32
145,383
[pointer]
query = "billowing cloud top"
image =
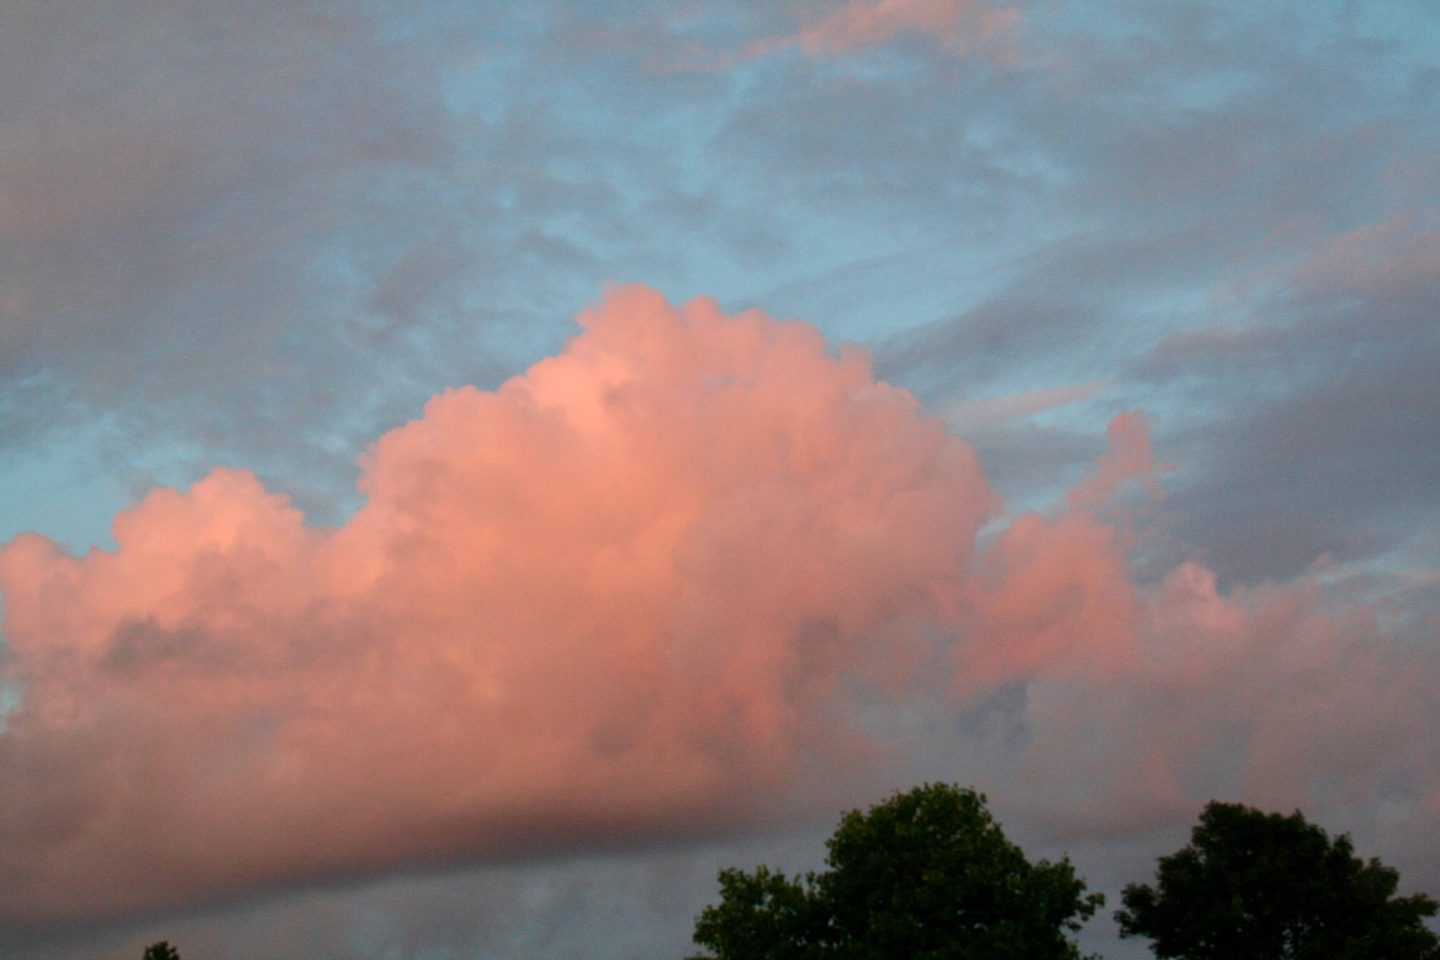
x,y
646,590
615,597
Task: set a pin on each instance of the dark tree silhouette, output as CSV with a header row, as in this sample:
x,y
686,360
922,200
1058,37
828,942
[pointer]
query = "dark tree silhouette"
x,y
926,875
161,951
1262,886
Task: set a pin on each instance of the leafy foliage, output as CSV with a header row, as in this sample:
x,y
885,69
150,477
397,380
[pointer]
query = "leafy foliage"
x,y
161,951
926,875
1258,886
763,914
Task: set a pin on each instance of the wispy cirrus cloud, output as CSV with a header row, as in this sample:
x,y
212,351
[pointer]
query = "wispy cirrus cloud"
x,y
980,413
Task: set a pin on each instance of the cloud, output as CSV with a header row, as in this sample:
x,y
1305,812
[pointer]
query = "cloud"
x,y
655,588
1264,694
1333,353
614,598
1392,266
963,25
687,42
206,213
262,234
977,414
155,147
1142,698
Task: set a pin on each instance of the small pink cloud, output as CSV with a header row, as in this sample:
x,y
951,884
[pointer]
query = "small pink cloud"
x,y
1052,591
965,27
961,25
1128,457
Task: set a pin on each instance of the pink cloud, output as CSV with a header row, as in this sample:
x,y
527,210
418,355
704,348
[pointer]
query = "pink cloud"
x,y
648,589
1049,592
1128,457
1055,590
1143,701
964,25
614,598
1262,695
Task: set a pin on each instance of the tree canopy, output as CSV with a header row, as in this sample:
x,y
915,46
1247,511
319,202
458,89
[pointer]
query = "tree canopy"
x,y
161,951
1262,886
925,875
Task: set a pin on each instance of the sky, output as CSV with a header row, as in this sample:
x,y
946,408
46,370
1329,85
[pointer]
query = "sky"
x,y
469,472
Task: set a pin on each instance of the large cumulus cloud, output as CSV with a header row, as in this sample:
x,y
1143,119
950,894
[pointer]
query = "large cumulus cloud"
x,y
615,597
656,588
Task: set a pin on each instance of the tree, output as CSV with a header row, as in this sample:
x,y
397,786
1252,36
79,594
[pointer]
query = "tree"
x,y
161,951
926,875
764,915
1258,886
